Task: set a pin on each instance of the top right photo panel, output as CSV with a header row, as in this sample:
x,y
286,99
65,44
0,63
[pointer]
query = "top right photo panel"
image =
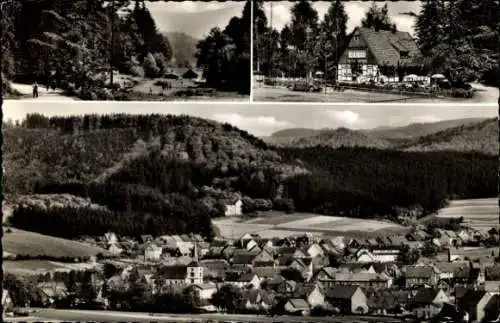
x,y
372,52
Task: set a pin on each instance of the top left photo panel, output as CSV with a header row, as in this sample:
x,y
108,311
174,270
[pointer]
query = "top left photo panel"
x,y
125,50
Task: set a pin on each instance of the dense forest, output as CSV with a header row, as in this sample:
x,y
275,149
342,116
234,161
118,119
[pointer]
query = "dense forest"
x,y
456,38
76,44
172,174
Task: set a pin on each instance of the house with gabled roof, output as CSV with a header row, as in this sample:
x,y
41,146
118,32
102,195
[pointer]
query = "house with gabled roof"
x,y
347,298
371,54
312,293
365,280
421,275
474,303
297,305
267,272
259,300
304,266
242,280
428,302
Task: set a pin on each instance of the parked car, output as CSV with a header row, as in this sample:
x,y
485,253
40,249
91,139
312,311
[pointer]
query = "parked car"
x,y
305,86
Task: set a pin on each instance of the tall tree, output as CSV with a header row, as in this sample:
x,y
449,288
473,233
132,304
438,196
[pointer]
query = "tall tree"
x,y
378,18
430,25
332,36
304,28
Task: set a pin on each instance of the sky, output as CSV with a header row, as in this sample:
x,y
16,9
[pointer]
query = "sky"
x,y
195,18
355,11
263,119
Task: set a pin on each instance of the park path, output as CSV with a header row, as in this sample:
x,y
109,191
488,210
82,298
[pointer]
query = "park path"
x,y
43,94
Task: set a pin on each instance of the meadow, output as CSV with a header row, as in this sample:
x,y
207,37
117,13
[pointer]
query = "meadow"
x,y
33,245
279,225
481,214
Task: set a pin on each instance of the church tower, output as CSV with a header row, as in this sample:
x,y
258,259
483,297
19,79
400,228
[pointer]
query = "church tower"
x,y
194,269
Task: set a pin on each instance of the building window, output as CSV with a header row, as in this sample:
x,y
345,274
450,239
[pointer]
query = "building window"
x,y
403,54
356,37
357,53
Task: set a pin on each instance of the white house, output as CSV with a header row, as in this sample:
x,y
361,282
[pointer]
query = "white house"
x,y
315,250
194,273
206,291
115,249
111,238
153,252
234,209
366,256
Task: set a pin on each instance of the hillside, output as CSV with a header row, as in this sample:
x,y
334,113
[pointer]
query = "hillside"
x,y
420,129
161,174
183,48
480,136
464,135
33,245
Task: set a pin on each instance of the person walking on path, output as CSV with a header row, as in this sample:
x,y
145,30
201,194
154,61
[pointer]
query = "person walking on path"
x,y
35,90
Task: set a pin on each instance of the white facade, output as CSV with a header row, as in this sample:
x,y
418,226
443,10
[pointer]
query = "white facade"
x,y
234,209
194,275
206,291
153,253
368,72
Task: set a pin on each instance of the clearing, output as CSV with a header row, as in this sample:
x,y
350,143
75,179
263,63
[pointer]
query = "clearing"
x,y
481,214
25,243
270,225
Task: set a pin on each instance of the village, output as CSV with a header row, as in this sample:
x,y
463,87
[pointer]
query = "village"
x,y
428,273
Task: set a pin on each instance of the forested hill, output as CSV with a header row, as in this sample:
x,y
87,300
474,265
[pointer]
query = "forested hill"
x,y
184,48
162,174
465,135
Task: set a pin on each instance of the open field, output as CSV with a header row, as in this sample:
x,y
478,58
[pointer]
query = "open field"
x,y
25,243
33,267
273,225
481,214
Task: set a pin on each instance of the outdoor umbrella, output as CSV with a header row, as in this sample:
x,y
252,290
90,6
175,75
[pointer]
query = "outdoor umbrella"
x,y
410,77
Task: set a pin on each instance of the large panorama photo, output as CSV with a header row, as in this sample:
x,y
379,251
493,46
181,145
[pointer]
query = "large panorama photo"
x,y
184,212
126,50
360,51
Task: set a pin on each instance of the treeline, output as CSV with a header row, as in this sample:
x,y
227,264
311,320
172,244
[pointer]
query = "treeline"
x,y
225,54
363,182
129,215
154,124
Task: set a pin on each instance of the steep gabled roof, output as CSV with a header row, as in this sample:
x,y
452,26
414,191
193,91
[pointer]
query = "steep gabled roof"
x,y
341,292
419,272
386,45
471,298
425,296
299,304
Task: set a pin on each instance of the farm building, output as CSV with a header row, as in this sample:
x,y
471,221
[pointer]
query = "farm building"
x,y
234,208
372,53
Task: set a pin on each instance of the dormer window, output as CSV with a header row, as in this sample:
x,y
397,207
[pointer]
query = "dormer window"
x,y
403,54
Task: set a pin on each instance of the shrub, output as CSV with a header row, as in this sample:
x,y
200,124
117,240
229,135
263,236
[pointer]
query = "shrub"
x,y
151,69
137,71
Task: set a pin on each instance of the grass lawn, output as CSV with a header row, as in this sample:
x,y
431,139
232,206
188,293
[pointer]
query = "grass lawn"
x,y
25,243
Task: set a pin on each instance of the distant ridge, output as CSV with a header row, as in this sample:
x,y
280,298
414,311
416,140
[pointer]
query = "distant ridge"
x,y
472,134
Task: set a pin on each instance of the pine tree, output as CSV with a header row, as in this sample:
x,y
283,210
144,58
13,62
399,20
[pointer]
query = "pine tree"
x,y
378,18
430,25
